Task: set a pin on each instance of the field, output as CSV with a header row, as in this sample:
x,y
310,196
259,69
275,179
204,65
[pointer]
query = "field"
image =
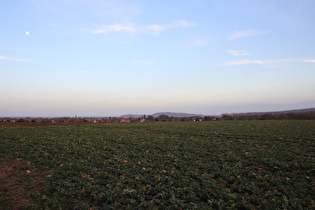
x,y
169,165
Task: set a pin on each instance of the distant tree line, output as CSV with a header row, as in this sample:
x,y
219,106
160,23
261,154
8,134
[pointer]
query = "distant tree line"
x,y
270,116
166,118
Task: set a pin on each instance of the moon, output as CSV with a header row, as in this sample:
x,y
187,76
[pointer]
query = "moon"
x,y
27,33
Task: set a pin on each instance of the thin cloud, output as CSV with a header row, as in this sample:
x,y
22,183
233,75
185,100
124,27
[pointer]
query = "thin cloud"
x,y
14,59
242,34
109,28
129,28
245,61
174,24
155,28
271,63
238,52
309,61
179,23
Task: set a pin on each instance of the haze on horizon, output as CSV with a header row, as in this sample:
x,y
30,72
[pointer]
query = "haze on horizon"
x,y
114,57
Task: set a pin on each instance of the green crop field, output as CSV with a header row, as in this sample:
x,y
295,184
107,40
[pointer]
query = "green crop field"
x,y
171,165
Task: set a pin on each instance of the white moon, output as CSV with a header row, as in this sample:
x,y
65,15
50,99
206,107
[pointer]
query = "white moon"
x,y
27,33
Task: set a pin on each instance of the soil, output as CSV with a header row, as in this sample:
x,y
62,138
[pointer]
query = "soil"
x,y
16,182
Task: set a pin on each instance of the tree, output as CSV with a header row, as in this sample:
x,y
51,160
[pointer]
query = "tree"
x,y
163,118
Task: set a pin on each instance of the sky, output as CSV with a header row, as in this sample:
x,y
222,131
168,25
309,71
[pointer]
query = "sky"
x,y
115,57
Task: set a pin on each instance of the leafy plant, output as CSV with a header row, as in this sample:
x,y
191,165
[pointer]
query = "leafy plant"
x,y
226,164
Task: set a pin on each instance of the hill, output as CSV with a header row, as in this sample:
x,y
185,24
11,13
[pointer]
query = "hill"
x,y
175,114
170,114
131,116
299,110
296,111
179,114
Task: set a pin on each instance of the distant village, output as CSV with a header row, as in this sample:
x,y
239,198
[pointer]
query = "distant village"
x,y
144,118
294,115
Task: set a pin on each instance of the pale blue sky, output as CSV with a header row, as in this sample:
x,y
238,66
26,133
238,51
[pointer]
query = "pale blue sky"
x,y
114,57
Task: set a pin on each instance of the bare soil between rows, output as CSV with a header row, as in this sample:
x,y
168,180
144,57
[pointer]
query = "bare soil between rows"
x,y
17,179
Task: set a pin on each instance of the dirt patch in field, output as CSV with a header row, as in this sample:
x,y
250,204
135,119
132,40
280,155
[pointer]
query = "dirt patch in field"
x,y
17,178
12,195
